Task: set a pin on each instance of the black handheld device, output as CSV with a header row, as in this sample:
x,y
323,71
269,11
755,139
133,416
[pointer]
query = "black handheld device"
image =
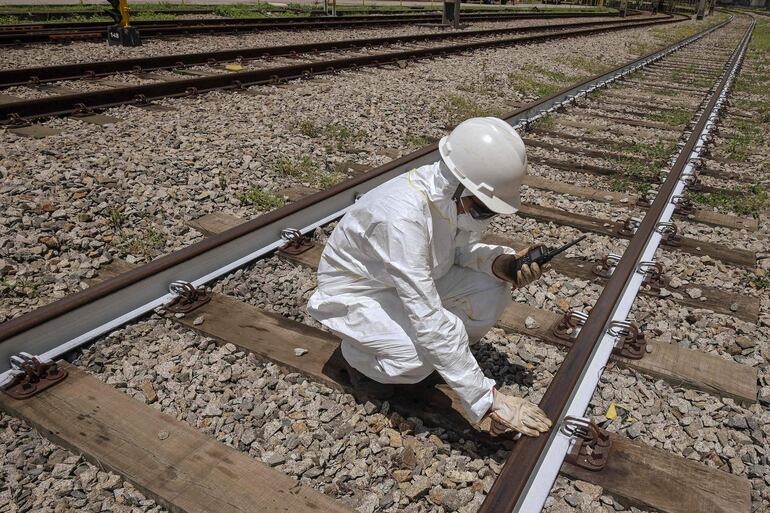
x,y
541,255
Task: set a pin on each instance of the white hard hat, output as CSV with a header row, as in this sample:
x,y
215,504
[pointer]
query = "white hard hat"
x,y
489,159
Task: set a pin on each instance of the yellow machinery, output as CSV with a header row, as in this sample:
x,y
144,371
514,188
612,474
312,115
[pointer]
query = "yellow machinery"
x,y
121,33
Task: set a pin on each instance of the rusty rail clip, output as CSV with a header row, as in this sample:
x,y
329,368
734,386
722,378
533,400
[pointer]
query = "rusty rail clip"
x,y
36,376
607,265
692,181
296,243
653,276
683,205
646,199
591,448
670,234
569,325
632,342
628,227
188,297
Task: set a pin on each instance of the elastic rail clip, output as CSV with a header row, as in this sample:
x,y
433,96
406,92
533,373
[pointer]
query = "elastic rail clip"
x,y
631,343
628,227
296,243
569,325
653,276
646,199
188,297
591,448
606,266
35,376
683,205
670,234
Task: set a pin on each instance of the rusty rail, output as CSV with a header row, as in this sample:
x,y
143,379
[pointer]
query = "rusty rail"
x,y
83,103
27,76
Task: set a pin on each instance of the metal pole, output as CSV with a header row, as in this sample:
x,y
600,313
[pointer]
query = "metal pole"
x,y
623,8
701,9
456,21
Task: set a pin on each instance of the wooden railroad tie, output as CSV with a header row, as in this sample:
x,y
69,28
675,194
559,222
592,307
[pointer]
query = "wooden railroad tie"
x,y
634,472
179,467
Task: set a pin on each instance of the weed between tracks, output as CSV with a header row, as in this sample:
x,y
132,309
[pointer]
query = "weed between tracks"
x,y
261,199
343,136
457,108
309,171
672,117
415,141
149,243
748,136
528,83
20,286
745,201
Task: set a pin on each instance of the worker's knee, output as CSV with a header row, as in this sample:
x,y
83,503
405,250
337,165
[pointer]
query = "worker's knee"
x,y
480,310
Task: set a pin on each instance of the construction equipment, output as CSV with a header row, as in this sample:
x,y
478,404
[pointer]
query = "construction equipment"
x,y
121,33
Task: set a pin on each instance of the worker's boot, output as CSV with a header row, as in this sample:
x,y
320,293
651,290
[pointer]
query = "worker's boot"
x,y
366,386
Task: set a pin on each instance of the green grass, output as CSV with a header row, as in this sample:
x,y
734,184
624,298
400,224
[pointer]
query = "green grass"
x,y
539,81
262,200
415,141
659,152
545,123
21,286
635,175
761,108
760,281
748,135
750,200
342,134
329,178
590,66
457,108
307,170
297,168
147,244
672,117
116,219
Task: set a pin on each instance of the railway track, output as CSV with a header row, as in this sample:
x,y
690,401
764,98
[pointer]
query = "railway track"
x,y
62,32
79,408
317,60
243,56
39,15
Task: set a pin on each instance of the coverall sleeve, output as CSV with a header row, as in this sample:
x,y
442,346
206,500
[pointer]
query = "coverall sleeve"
x,y
478,256
438,335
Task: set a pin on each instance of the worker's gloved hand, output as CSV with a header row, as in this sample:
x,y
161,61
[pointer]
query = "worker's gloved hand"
x,y
510,413
502,267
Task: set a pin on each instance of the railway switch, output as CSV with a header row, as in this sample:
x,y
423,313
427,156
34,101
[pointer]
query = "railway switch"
x,y
121,33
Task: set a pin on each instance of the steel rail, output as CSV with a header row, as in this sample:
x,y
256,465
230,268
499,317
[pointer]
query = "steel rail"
x,y
54,329
33,16
302,20
14,113
532,466
26,76
57,32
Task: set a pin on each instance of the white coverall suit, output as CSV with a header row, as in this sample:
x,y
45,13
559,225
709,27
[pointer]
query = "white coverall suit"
x,y
405,289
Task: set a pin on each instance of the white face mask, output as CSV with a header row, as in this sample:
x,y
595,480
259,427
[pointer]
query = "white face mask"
x,y
469,224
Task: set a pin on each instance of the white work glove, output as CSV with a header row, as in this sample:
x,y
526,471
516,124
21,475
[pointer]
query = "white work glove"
x,y
510,413
528,273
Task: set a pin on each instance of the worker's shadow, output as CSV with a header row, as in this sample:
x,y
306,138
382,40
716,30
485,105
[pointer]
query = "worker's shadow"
x,y
498,366
434,402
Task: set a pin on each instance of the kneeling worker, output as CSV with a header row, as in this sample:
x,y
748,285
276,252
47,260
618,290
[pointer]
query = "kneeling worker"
x,y
406,284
